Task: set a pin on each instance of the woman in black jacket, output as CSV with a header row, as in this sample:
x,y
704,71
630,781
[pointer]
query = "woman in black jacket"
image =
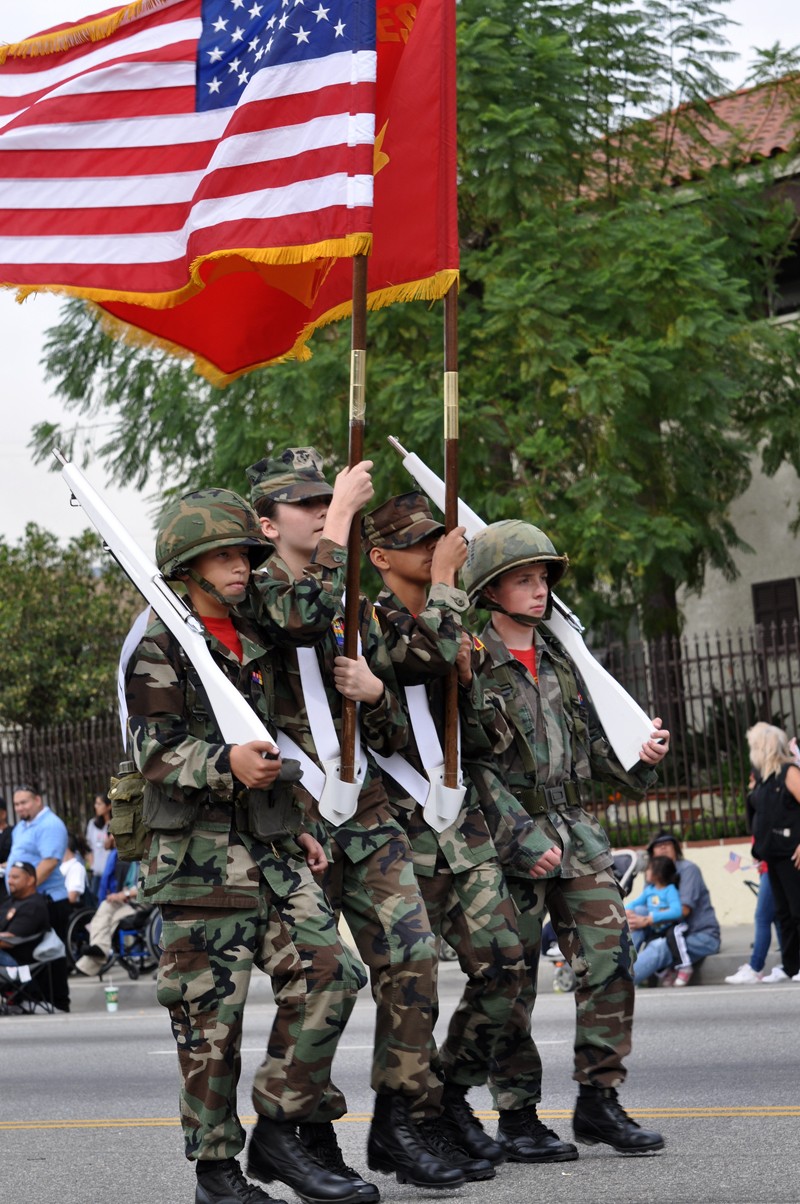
x,y
776,832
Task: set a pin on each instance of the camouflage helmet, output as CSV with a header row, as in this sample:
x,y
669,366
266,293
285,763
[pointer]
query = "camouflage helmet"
x,y
204,520
508,545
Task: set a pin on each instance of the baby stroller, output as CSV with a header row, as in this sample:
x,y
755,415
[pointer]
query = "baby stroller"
x,y
627,864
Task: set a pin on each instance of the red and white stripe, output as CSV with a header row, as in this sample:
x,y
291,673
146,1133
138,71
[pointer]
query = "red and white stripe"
x,y
111,182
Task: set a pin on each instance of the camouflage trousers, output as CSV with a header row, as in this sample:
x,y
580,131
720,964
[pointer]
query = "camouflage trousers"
x,y
474,912
380,900
589,918
203,978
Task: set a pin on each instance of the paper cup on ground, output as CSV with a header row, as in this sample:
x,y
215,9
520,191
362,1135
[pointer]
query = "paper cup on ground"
x,y
112,998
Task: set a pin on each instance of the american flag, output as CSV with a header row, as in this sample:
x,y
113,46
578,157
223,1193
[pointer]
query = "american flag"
x,y
195,130
733,863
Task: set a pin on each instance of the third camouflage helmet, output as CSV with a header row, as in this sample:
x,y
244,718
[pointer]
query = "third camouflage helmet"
x,y
507,545
204,520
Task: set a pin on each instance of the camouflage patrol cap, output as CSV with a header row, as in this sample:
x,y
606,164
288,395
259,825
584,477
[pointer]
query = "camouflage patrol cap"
x,y
291,477
399,523
509,545
207,519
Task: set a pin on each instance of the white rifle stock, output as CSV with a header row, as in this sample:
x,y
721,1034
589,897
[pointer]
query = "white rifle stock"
x,y
624,722
238,723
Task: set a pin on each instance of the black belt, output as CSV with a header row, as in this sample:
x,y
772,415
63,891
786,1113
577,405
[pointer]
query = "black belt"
x,y
550,798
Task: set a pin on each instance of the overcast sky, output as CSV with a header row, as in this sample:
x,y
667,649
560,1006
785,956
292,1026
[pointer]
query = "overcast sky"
x,y
32,494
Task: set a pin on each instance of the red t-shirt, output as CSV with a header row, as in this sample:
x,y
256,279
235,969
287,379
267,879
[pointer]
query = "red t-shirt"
x,y
224,631
526,657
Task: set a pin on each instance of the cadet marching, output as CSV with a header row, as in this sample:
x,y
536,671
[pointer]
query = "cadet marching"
x,y
254,858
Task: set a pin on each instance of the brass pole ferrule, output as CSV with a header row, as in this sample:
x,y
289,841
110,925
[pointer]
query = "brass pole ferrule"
x,y
451,405
358,377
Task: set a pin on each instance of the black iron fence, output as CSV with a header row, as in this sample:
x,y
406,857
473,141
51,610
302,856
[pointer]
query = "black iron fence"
x,y
70,763
707,690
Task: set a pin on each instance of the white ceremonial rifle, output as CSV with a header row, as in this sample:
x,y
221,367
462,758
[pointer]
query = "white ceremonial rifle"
x,y
627,726
237,721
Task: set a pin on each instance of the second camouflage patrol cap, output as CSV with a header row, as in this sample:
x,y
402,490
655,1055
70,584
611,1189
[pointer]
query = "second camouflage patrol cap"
x,y
293,476
399,523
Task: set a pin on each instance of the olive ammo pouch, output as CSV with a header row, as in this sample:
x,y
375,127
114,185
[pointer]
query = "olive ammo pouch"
x,y
131,834
140,807
267,814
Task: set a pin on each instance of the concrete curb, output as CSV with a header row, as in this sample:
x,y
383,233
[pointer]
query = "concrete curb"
x,y
88,995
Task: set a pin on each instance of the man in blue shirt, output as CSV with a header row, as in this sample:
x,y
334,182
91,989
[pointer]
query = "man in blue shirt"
x,y
39,837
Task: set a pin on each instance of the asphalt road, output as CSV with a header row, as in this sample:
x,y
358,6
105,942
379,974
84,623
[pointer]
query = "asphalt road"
x,y
88,1113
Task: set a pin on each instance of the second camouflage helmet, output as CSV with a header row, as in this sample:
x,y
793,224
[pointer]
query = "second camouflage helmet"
x,y
507,545
207,519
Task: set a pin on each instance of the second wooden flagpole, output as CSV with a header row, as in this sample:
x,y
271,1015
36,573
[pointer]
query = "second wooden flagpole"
x,y
358,371
451,508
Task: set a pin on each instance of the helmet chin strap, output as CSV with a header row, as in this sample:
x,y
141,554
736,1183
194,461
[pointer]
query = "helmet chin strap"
x,y
524,620
208,587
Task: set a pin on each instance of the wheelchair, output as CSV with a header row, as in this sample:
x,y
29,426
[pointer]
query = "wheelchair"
x,y
135,941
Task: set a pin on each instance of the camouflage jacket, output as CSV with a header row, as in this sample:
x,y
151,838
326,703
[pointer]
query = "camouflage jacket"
x,y
208,862
423,650
383,726
299,612
565,744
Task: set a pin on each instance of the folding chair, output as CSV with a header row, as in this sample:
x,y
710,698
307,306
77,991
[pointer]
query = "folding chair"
x,y
22,988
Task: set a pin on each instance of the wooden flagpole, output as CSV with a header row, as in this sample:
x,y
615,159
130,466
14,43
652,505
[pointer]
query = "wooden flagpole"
x,y
451,508
358,366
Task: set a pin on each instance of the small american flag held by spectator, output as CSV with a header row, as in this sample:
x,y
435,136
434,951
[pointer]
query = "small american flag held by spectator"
x,y
733,863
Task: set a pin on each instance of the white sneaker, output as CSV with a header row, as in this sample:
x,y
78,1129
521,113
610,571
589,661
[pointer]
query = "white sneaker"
x,y
796,977
745,973
776,974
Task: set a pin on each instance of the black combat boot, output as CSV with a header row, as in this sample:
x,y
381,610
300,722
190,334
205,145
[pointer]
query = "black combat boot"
x,y
525,1139
321,1143
463,1127
397,1147
223,1183
276,1152
437,1139
599,1118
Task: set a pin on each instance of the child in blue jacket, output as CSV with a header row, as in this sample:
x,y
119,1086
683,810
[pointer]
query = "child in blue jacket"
x,y
659,900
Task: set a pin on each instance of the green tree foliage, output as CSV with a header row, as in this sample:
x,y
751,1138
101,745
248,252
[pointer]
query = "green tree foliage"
x,y
619,366
63,614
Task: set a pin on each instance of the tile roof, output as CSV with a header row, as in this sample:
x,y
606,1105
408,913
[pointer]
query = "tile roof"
x,y
749,125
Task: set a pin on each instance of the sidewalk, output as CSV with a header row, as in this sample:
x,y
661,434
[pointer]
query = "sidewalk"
x,y
88,994
737,940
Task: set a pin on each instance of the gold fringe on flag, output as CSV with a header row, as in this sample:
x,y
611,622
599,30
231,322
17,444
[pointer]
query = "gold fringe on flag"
x,y
84,31
431,288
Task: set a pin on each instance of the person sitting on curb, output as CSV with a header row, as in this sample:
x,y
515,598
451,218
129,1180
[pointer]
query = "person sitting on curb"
x,y
118,905
25,917
696,938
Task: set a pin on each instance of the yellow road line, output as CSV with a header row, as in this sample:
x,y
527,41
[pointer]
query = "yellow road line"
x,y
751,1112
